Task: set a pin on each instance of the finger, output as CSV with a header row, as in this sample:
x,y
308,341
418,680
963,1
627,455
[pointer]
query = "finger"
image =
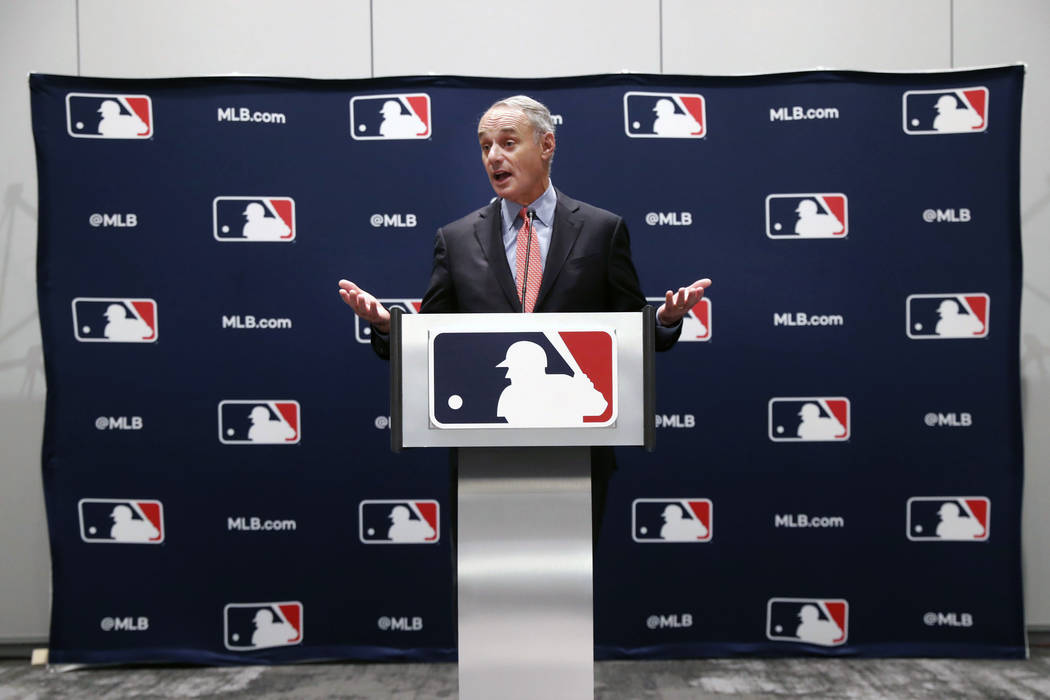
x,y
348,286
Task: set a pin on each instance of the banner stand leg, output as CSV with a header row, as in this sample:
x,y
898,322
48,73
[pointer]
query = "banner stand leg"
x,y
526,616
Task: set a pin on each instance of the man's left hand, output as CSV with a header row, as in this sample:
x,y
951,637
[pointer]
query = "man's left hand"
x,y
677,304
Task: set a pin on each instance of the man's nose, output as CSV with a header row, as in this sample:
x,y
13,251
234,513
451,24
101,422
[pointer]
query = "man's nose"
x,y
495,155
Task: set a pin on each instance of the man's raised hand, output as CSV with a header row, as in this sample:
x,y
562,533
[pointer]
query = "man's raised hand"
x,y
365,305
677,304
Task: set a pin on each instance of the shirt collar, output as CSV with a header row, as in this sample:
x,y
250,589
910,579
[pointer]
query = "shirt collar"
x,y
544,207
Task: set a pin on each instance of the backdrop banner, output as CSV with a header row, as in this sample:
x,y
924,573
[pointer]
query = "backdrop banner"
x,y
839,458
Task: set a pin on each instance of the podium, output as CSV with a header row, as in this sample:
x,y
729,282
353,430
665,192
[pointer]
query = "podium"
x,y
523,397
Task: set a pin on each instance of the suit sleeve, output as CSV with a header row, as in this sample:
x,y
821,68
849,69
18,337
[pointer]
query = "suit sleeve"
x,y
440,297
625,292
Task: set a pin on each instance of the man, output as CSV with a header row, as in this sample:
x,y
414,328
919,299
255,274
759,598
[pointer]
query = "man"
x,y
579,259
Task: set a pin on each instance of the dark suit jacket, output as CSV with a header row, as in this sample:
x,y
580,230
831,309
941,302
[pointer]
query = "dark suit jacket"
x,y
588,269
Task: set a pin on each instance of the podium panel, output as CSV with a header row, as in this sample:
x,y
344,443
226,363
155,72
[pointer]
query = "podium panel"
x,y
449,377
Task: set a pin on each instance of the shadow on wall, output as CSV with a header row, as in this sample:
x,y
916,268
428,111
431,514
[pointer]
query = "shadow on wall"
x,y
30,362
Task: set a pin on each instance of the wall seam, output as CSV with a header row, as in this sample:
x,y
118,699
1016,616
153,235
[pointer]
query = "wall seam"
x,y
371,39
77,19
951,33
661,21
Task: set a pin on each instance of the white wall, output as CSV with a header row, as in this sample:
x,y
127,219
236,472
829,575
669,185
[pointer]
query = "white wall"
x,y
358,38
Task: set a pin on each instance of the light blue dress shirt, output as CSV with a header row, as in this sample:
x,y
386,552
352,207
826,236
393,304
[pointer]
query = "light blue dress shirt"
x,y
544,223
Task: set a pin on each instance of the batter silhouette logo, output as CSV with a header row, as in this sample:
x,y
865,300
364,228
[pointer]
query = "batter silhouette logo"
x,y
237,219
121,521
807,215
821,621
950,111
552,379
948,316
809,419
949,518
400,116
114,320
696,324
249,626
687,520
363,331
259,422
399,522
103,116
664,115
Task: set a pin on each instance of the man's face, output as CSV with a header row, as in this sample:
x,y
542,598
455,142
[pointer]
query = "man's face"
x,y
515,163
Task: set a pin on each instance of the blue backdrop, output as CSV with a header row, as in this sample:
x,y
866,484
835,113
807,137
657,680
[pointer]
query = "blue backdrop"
x,y
840,424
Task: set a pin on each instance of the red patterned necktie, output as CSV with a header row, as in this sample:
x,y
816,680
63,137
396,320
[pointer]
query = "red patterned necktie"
x,y
535,263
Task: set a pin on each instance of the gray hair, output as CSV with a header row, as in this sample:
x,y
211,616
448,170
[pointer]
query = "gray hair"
x,y
536,112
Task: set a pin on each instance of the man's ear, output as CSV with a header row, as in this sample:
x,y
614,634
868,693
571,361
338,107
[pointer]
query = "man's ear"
x,y
547,144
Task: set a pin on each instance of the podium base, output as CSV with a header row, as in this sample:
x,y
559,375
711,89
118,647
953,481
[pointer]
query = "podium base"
x,y
526,616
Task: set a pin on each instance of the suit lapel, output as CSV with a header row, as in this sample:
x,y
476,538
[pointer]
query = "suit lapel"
x,y
565,231
489,234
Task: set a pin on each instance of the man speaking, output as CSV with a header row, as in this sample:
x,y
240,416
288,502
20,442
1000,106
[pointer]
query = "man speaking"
x,y
533,249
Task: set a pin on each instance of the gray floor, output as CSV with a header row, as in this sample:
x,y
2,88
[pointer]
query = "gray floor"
x,y
614,680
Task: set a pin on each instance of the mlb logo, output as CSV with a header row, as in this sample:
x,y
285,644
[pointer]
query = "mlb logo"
x,y
97,116
399,522
672,520
121,520
824,622
696,324
955,518
664,115
264,422
248,626
551,379
111,320
390,117
253,219
363,331
807,215
958,111
809,419
941,316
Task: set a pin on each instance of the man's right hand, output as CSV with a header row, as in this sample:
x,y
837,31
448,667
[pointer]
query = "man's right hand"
x,y
365,305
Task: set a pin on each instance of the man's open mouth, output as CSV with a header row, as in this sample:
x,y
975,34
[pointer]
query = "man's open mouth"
x,y
500,175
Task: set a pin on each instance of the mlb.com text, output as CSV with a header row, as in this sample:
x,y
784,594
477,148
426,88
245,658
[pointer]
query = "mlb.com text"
x,y
790,114
254,524
803,319
243,114
803,520
250,322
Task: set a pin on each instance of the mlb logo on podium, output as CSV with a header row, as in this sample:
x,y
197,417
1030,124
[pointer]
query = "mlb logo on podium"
x,y
539,379
806,215
672,520
948,518
248,626
399,522
400,116
363,331
262,422
664,115
941,316
952,111
809,419
114,320
121,520
820,621
696,324
99,116
236,219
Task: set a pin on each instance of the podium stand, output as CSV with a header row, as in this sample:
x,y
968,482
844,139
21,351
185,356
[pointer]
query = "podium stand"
x,y
523,397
